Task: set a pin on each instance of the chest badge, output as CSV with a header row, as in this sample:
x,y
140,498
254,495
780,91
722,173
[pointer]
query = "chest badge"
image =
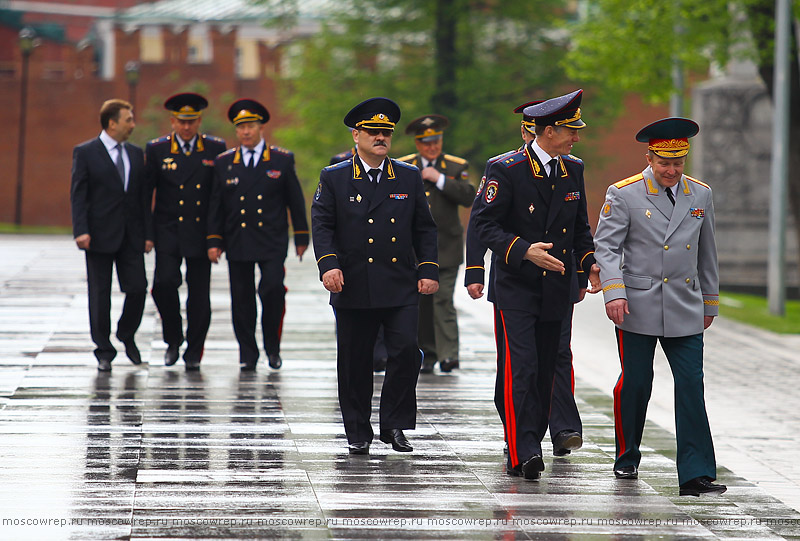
x,y
358,198
168,164
530,209
648,213
697,213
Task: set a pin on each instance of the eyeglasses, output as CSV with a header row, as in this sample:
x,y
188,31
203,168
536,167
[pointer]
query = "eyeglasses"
x,y
374,132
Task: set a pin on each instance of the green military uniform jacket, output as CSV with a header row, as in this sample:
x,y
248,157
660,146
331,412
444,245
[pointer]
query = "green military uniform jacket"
x,y
444,204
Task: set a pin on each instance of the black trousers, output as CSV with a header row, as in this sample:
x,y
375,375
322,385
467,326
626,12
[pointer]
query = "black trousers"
x,y
564,413
355,338
272,293
166,281
132,281
529,351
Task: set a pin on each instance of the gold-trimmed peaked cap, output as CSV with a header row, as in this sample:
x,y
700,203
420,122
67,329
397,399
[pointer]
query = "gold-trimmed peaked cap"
x,y
669,137
528,121
561,111
428,128
186,106
374,113
247,110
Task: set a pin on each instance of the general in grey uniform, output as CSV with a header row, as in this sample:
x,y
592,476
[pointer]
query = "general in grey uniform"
x,y
658,266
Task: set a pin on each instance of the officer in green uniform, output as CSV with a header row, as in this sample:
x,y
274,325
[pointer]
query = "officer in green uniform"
x,y
446,179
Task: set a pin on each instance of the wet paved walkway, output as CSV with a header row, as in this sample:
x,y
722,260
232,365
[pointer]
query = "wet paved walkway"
x,y
155,452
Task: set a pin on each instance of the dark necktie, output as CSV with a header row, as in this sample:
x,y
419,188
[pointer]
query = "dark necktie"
x,y
369,187
552,178
120,164
374,173
670,196
252,158
187,148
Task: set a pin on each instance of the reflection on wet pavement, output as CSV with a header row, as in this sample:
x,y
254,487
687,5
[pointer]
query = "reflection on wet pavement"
x,y
156,452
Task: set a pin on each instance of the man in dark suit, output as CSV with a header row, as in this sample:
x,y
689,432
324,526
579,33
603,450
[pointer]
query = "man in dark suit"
x,y
375,243
379,355
254,184
180,168
532,215
566,428
447,187
110,222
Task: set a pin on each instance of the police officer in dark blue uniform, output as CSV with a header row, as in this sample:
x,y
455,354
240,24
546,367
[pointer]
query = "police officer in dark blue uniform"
x,y
375,243
254,184
532,215
565,420
180,168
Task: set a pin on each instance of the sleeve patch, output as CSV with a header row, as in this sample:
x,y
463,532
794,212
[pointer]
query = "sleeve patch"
x,y
318,193
607,209
491,191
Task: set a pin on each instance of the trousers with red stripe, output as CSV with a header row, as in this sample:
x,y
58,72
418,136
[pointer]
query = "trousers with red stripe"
x,y
530,347
695,449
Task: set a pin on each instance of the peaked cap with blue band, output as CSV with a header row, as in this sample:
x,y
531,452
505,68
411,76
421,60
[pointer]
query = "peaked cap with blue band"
x,y
186,106
374,113
561,111
247,110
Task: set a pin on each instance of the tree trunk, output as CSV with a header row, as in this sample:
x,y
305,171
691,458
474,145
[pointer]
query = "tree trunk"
x,y
445,98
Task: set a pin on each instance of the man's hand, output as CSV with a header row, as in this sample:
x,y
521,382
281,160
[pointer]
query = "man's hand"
x,y
537,253
616,310
83,241
594,279
426,286
475,290
707,321
213,254
148,246
333,280
431,174
581,294
300,250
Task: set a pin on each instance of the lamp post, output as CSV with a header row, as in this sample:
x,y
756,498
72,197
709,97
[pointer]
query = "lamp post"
x,y
132,76
27,41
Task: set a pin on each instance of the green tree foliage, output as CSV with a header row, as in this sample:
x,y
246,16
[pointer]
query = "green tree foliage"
x,y
626,46
472,60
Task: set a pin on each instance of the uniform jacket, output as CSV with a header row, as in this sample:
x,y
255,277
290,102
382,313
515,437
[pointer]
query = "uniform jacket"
x,y
476,252
382,243
183,186
342,156
444,204
519,207
100,205
662,259
247,211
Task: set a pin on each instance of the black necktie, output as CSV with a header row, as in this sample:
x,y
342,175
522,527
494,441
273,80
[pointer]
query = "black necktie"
x,y
553,169
374,173
187,148
671,197
252,158
120,164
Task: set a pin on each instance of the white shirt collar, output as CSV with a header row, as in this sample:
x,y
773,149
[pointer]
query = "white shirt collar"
x,y
109,142
182,143
543,156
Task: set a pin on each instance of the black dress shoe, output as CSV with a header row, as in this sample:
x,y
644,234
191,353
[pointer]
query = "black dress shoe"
x,y
448,365
275,361
171,355
626,472
379,365
427,367
398,440
702,485
192,366
247,367
103,365
133,352
566,441
359,448
533,467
